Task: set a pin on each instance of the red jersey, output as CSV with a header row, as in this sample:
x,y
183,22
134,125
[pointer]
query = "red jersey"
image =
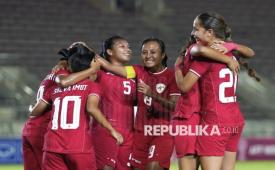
x,y
218,86
149,111
68,130
117,100
189,102
37,126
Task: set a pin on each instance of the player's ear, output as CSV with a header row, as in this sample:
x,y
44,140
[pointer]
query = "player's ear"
x,y
109,52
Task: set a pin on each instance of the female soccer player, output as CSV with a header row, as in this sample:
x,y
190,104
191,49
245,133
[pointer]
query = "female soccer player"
x,y
217,85
156,98
117,105
68,142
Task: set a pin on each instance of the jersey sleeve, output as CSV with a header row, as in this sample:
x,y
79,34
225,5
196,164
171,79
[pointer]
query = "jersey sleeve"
x,y
174,90
95,90
47,95
200,66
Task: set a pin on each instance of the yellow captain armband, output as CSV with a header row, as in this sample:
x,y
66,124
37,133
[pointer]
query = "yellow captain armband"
x,y
130,72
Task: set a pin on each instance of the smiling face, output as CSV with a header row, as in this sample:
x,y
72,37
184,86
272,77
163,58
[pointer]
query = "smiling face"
x,y
201,35
152,55
120,51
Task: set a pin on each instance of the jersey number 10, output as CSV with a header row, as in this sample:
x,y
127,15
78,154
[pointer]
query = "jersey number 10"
x,y
63,115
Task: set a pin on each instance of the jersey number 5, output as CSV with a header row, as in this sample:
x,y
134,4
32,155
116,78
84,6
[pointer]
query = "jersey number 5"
x,y
63,115
232,83
127,87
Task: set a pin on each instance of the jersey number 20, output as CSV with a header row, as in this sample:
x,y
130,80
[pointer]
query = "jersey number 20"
x,y
229,84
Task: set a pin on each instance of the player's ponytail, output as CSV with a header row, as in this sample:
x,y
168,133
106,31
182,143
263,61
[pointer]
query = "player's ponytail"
x,y
250,71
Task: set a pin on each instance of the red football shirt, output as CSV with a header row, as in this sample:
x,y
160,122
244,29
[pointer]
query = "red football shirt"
x,y
189,102
68,130
163,83
218,89
117,100
37,126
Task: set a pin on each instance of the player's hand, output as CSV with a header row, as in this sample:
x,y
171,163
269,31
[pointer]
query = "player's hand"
x,y
63,64
117,136
218,46
179,62
144,88
95,64
234,65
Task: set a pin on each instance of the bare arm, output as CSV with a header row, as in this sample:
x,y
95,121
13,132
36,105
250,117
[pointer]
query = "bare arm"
x,y
198,50
71,79
92,108
184,83
39,108
245,51
119,70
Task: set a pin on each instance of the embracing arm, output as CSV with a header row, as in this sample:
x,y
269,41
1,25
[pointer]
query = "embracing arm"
x,y
119,70
39,108
203,51
245,51
71,79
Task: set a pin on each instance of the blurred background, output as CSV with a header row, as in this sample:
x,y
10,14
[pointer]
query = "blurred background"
x,y
32,31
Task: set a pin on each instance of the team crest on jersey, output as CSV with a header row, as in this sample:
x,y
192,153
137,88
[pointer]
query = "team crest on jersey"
x,y
160,87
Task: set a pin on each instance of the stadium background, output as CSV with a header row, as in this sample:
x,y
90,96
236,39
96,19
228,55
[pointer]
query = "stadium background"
x,y
32,31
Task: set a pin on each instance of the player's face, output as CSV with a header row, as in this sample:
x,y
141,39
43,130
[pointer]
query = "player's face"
x,y
200,33
151,54
121,51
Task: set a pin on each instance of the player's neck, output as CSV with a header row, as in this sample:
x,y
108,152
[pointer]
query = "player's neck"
x,y
156,69
117,63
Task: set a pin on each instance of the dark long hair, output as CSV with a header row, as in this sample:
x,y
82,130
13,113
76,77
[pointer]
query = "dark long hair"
x,y
216,22
80,58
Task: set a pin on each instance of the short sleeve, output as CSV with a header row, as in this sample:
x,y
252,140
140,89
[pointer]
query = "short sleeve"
x,y
200,66
174,90
95,90
47,95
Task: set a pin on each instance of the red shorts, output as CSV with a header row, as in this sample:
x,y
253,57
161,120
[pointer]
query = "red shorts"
x,y
71,161
186,144
32,152
217,144
147,149
108,152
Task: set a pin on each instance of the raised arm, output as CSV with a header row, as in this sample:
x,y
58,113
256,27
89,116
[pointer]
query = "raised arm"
x,y
245,51
119,70
92,108
73,78
203,51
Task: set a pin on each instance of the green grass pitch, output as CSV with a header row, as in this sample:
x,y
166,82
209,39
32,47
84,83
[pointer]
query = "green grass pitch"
x,y
241,165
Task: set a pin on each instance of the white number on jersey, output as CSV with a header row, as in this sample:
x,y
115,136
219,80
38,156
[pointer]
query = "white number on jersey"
x,y
127,86
40,93
229,84
151,151
148,100
63,116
